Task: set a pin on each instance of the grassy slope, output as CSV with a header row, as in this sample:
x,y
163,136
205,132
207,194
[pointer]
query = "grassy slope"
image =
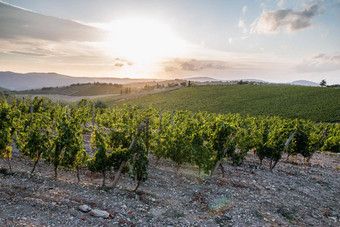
x,y
98,90
314,103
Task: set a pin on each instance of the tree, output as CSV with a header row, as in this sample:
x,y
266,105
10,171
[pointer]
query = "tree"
x,y
323,83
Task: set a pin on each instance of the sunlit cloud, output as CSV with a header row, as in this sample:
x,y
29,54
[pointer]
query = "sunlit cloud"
x,y
290,19
231,66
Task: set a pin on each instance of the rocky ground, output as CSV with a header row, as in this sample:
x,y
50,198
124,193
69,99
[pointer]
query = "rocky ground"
x,y
293,195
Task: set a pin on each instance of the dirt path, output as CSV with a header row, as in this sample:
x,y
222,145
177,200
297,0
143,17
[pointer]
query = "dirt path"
x,y
69,98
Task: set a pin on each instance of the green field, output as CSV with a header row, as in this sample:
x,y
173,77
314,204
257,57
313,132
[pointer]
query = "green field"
x,y
313,103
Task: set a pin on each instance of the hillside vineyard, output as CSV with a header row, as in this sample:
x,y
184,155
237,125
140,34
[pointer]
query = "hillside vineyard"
x,y
124,137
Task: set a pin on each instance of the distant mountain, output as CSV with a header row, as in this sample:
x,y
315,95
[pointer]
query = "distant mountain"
x,y
304,83
200,79
27,81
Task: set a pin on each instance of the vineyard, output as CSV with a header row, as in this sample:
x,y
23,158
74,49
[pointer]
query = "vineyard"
x,y
309,103
124,138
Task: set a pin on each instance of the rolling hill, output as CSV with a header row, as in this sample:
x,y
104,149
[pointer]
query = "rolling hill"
x,y
19,81
313,103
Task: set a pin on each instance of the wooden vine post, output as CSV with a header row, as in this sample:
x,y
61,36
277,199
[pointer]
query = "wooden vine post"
x,y
93,114
122,165
284,149
160,123
147,134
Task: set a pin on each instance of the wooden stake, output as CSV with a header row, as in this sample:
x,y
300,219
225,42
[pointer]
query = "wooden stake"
x,y
160,123
93,114
284,149
147,134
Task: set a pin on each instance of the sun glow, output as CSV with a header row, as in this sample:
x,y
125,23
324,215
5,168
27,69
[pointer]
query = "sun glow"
x,y
142,40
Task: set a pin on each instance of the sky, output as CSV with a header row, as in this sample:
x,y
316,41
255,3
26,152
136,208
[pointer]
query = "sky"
x,y
276,40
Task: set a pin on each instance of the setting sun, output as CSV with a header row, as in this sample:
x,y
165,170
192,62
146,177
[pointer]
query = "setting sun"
x,y
142,40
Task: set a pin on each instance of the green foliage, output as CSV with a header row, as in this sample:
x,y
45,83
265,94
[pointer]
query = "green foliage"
x,y
332,140
200,139
270,138
6,126
139,162
301,142
68,149
83,112
100,163
100,104
34,137
119,140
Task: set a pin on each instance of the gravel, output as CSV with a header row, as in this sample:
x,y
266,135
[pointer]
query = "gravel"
x,y
294,194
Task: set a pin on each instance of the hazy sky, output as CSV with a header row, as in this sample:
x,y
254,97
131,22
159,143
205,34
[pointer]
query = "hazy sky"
x,y
278,41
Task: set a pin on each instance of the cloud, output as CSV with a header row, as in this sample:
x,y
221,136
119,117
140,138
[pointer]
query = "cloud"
x,y
194,65
16,23
320,63
291,20
230,40
242,25
47,49
32,40
244,9
281,3
120,62
26,53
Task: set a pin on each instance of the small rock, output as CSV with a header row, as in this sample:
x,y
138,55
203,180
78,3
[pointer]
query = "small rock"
x,y
73,212
99,213
84,208
227,216
316,214
54,203
332,218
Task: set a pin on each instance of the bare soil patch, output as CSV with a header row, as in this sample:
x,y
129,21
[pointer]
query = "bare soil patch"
x,y
294,194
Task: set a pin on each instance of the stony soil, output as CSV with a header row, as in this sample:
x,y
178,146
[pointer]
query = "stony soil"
x,y
293,195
